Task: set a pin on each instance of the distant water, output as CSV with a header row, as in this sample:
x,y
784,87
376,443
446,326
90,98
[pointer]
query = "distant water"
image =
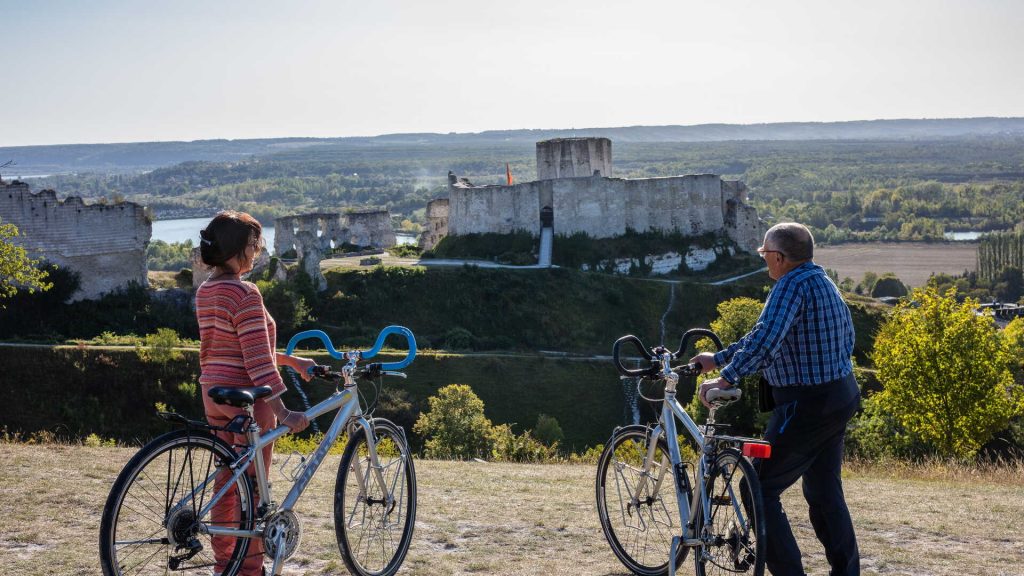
x,y
182,229
962,236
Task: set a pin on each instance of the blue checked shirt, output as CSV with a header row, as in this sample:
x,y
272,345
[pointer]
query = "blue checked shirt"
x,y
803,337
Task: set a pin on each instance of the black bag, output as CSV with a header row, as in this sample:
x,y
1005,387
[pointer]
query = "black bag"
x,y
765,399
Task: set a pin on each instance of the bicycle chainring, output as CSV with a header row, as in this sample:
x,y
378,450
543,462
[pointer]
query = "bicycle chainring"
x,y
284,525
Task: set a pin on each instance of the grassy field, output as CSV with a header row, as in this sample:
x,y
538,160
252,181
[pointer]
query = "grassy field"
x,y
530,519
913,262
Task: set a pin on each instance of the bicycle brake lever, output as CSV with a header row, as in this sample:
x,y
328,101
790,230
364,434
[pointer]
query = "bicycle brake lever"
x,y
392,373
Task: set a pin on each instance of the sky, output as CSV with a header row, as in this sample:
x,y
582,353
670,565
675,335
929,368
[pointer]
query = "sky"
x,y
113,71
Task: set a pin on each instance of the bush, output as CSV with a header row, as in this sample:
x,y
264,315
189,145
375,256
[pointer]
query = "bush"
x,y
405,251
508,447
160,347
888,285
547,430
455,426
459,339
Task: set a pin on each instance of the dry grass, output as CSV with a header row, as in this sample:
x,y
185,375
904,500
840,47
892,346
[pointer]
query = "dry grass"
x,y
531,519
913,262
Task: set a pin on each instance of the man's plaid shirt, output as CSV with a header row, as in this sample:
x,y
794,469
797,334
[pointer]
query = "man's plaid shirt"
x,y
804,335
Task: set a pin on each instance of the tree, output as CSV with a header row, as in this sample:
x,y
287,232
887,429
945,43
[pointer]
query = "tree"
x,y
17,270
548,430
736,317
455,426
945,374
888,285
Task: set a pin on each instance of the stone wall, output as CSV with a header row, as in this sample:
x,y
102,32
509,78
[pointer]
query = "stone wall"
x,y
106,244
437,223
573,158
332,229
315,236
605,207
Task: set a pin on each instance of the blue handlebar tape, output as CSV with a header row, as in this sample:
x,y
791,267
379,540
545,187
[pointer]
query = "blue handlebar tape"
x,y
320,335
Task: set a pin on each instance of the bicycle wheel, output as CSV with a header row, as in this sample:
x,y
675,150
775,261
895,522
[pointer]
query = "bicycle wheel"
x,y
374,525
151,520
734,533
638,526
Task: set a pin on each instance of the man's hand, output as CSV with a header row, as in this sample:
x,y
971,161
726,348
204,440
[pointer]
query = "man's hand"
x,y
706,361
710,385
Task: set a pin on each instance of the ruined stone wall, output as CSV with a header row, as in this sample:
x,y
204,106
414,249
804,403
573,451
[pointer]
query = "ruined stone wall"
x,y
605,207
106,244
437,223
573,158
332,229
501,209
370,228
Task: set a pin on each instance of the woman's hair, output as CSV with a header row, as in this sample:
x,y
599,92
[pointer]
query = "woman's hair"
x,y
227,236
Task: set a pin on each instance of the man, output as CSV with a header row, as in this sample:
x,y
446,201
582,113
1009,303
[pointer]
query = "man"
x,y
802,343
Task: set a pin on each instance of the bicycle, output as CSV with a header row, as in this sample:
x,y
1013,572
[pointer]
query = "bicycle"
x,y
187,488
643,483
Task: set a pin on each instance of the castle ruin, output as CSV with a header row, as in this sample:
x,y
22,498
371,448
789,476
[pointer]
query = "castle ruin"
x,y
104,243
576,193
315,236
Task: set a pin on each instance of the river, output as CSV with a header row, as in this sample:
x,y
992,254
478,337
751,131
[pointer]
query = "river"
x,y
181,229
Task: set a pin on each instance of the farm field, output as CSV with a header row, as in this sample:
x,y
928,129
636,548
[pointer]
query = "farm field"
x,y
913,262
525,519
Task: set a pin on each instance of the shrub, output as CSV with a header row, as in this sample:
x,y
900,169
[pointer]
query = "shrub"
x,y
455,426
888,285
547,430
405,251
459,339
508,447
160,347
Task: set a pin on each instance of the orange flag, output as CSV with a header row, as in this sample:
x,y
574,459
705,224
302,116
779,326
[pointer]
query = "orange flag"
x,y
508,174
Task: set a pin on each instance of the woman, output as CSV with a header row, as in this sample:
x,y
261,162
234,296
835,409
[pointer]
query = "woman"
x,y
237,338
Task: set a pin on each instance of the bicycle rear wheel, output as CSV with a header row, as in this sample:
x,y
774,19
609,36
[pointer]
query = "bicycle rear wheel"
x,y
373,525
734,536
639,529
151,521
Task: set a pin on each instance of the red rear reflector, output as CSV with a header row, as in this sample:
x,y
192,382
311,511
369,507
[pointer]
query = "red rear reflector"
x,y
757,450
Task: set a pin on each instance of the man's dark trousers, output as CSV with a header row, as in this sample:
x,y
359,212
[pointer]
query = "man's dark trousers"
x,y
806,430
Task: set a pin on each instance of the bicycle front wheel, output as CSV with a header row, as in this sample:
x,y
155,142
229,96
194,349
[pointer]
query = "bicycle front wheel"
x,y
374,523
153,520
637,504
733,528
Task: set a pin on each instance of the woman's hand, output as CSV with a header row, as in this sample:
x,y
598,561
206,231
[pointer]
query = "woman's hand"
x,y
295,421
301,365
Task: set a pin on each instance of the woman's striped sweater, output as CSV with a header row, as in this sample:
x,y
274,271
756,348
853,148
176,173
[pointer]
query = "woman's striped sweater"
x,y
237,336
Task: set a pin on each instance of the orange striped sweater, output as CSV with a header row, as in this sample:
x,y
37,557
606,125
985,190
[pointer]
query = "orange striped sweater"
x,y
237,336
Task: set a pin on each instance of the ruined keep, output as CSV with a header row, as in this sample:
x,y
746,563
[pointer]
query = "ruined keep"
x,y
437,223
104,243
574,157
315,236
575,194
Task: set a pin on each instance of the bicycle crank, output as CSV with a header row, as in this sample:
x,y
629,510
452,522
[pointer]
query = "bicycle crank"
x,y
282,534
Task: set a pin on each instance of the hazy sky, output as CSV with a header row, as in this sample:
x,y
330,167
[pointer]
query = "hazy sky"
x,y
184,70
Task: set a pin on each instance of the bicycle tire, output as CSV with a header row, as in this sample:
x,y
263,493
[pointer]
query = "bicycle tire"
x,y
618,468
734,541
149,519
364,523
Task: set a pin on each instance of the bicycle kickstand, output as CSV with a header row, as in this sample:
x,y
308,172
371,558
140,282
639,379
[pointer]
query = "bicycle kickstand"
x,y
676,542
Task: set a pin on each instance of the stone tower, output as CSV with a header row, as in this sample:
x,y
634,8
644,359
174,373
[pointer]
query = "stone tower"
x,y
574,158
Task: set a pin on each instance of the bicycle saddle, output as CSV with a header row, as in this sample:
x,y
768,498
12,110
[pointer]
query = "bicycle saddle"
x,y
238,396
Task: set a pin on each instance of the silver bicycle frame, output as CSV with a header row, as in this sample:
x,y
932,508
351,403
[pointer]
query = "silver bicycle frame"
x,y
349,412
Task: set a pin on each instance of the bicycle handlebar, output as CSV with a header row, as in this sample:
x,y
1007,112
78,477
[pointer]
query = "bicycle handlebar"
x,y
320,335
649,355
